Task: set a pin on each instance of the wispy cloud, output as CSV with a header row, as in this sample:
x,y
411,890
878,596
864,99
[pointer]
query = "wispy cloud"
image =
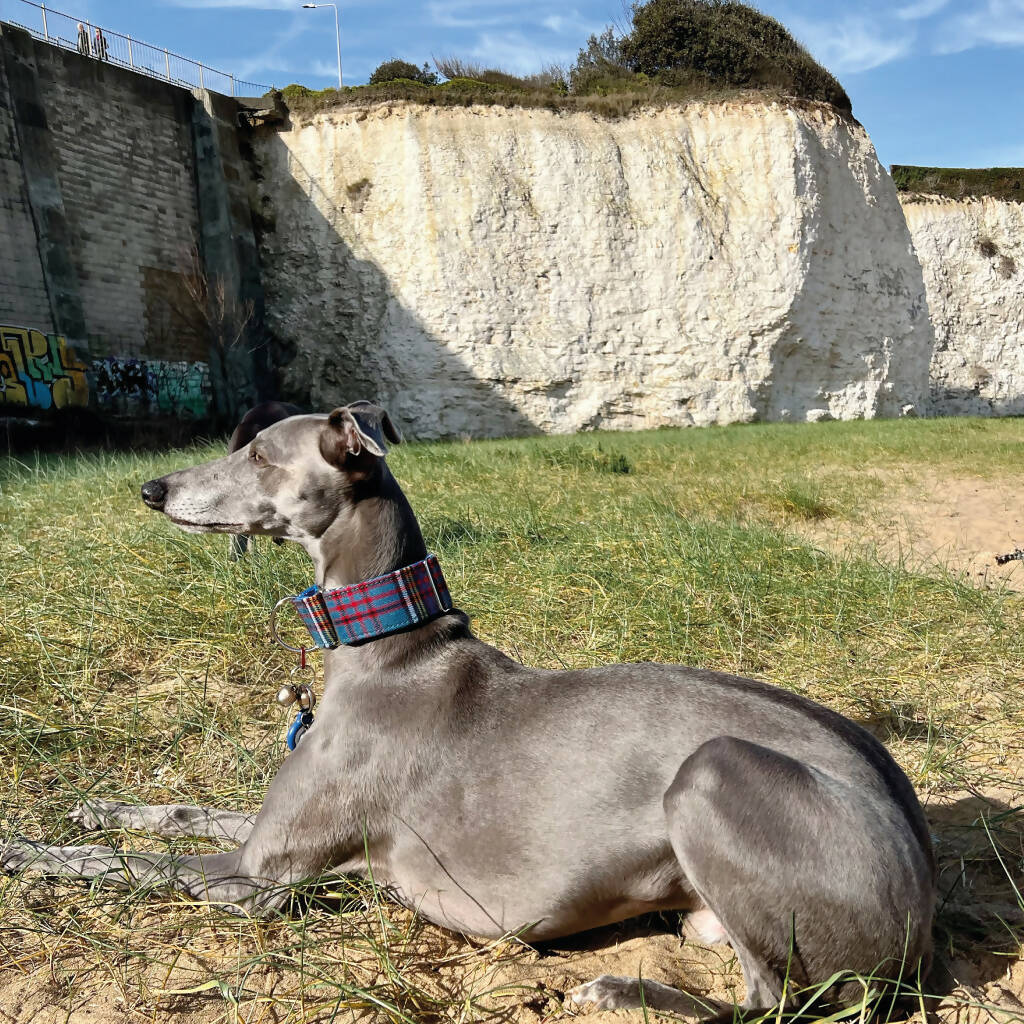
x,y
273,58
259,5
515,52
852,44
571,23
993,23
474,13
921,9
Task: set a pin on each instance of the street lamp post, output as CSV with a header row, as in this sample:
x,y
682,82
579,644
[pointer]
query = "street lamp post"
x,y
337,32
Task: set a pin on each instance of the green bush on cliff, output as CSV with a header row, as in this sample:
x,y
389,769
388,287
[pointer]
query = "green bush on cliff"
x,y
402,70
295,93
551,79
961,182
721,42
600,67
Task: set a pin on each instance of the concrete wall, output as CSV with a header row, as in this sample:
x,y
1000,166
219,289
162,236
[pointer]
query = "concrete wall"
x,y
119,212
23,295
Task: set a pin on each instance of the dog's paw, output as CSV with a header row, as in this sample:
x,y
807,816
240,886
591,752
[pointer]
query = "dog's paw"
x,y
94,814
607,993
611,993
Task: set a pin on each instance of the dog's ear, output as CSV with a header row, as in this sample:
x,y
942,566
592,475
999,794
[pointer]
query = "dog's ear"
x,y
374,422
355,429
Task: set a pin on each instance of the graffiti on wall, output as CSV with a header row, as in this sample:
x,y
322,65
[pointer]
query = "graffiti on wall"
x,y
133,386
39,371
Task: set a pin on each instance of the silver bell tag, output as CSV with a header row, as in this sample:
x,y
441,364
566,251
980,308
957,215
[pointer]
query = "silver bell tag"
x,y
292,693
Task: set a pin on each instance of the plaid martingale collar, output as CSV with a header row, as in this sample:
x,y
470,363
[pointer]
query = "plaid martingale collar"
x,y
374,608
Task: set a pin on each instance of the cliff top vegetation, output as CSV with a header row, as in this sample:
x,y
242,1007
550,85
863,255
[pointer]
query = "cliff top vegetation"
x,y
672,51
961,182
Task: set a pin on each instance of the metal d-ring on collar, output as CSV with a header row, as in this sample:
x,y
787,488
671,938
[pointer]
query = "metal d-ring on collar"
x,y
273,628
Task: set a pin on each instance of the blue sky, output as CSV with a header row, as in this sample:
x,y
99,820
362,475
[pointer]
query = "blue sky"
x,y
934,81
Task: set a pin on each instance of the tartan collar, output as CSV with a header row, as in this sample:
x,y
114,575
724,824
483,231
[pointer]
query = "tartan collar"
x,y
392,603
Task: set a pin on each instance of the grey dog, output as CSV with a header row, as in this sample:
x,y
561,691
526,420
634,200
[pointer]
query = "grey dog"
x,y
496,798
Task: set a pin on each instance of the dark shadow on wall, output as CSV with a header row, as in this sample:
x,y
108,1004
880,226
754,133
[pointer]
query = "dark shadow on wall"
x,y
340,332
964,401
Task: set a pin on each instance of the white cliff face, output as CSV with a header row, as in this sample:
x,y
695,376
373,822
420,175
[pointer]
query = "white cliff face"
x,y
972,254
490,271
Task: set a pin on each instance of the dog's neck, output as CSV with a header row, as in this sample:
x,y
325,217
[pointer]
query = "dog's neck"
x,y
375,533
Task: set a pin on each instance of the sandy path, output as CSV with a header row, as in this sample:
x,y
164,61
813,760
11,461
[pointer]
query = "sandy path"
x,y
960,523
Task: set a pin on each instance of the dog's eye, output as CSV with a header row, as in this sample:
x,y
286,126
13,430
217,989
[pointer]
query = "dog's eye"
x,y
256,458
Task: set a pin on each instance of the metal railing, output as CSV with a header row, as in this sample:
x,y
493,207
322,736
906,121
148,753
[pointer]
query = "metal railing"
x,y
158,62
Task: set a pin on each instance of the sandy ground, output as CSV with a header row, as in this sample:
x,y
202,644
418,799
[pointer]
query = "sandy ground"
x,y
957,523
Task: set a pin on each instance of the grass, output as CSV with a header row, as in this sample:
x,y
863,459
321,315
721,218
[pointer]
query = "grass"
x,y
961,182
671,52
619,98
136,664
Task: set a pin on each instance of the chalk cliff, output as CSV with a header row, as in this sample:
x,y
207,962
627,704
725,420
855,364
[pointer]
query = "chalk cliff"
x,y
487,271
972,255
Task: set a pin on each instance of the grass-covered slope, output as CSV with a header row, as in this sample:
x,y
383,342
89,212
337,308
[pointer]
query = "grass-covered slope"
x,y
625,97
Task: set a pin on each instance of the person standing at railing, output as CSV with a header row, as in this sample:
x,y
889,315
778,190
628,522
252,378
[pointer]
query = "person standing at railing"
x,y
99,45
83,40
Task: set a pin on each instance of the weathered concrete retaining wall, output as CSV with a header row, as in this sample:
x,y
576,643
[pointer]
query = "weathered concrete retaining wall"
x,y
118,206
487,271
972,255
23,294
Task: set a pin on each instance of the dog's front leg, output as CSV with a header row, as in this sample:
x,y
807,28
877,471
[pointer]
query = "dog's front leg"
x,y
285,844
219,878
165,819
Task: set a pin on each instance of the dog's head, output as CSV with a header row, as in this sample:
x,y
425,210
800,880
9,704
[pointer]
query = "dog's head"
x,y
291,481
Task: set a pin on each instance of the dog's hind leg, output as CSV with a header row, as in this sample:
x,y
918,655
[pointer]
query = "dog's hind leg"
x,y
164,819
800,886
805,881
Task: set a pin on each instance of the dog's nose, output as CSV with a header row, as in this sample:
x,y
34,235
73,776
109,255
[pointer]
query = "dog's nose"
x,y
154,493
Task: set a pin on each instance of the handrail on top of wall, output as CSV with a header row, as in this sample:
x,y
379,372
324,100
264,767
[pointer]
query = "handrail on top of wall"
x,y
63,30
